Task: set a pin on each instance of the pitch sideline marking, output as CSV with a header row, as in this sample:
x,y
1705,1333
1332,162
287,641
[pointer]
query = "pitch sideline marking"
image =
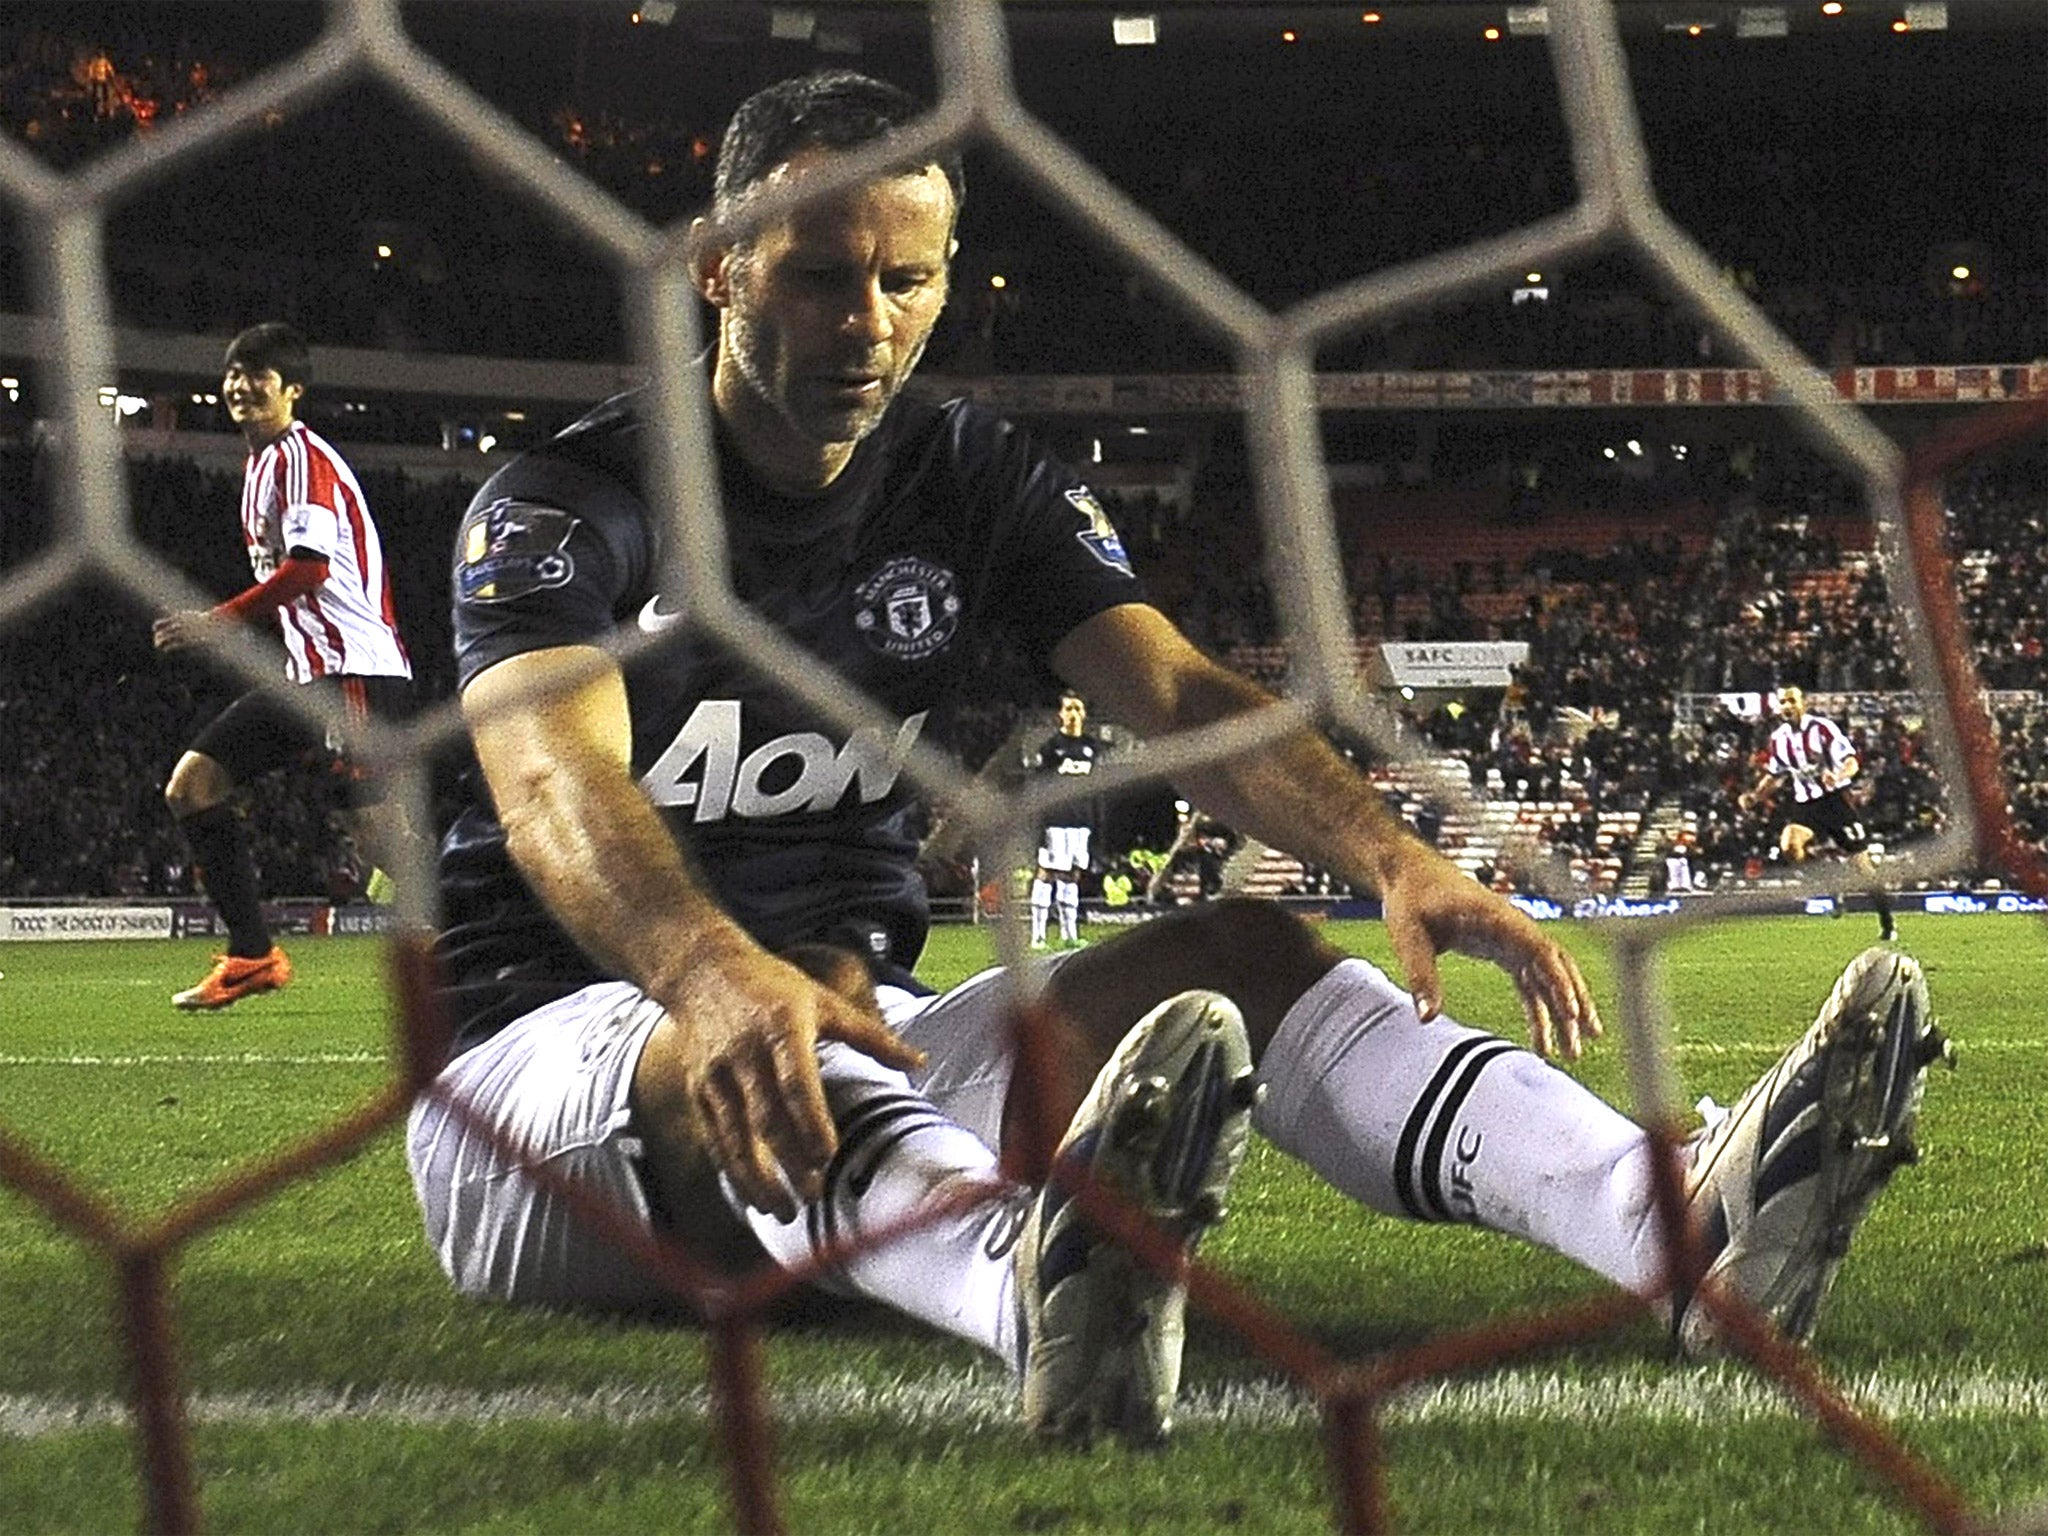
x,y
1971,1048
982,1399
230,1059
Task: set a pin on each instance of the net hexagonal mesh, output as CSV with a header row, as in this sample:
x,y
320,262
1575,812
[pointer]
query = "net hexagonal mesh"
x,y
365,41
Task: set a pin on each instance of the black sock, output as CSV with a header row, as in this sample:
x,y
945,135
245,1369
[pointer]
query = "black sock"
x,y
221,852
1883,903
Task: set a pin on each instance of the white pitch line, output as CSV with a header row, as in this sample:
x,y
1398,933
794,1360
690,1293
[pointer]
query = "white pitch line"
x,y
1968,1048
235,1059
982,1399
1965,1047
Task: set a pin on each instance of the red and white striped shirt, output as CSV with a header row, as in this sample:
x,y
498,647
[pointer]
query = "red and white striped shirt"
x,y
298,493
1802,752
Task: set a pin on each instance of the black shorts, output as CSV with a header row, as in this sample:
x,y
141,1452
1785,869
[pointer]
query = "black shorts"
x,y
261,732
1831,817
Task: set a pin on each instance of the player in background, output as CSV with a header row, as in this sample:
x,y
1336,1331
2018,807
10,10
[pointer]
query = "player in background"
x,y
320,577
682,908
1063,854
1815,756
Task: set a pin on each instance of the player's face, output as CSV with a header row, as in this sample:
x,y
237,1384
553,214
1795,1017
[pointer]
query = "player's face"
x,y
1073,716
1791,705
825,314
258,400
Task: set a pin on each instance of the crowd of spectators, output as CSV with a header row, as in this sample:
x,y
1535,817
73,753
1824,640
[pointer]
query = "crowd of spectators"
x,y
425,253
1999,523
92,719
352,222
71,96
90,724
1631,644
1595,716
1999,528
1652,658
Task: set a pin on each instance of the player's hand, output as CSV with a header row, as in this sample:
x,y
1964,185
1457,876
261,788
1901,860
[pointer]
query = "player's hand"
x,y
750,1026
1432,906
181,631
1746,801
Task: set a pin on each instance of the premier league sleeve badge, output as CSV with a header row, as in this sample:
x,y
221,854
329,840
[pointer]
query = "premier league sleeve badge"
x,y
1098,534
512,549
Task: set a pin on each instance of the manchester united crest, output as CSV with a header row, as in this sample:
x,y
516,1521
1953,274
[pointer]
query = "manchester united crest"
x,y
909,608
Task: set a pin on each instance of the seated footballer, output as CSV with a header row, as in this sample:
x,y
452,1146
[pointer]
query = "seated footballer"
x,y
682,910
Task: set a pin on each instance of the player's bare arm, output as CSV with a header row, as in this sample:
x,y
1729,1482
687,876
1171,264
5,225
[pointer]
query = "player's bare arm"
x,y
553,736
301,572
1297,793
181,631
1761,792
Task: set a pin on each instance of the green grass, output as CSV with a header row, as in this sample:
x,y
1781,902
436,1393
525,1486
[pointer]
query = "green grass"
x,y
328,1289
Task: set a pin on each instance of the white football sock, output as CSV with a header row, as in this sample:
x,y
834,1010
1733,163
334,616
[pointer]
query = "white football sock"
x,y
1041,908
1068,893
1443,1123
896,1152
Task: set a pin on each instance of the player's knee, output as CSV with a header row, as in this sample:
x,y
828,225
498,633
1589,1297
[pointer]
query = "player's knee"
x,y
196,784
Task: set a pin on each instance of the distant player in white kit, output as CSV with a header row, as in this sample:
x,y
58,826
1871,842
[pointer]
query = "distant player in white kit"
x,y
1815,756
1063,855
319,569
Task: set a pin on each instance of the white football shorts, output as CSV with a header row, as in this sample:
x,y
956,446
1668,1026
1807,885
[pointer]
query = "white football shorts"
x,y
1065,850
556,1083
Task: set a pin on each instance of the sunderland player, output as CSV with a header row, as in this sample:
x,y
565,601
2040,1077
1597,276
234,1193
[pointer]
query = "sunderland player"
x,y
682,907
1063,854
1815,756
320,576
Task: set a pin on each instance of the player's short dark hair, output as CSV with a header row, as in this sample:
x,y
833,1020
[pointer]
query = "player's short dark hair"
x,y
834,108
273,344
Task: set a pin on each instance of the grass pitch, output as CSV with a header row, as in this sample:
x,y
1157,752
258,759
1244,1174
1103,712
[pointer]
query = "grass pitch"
x,y
336,1385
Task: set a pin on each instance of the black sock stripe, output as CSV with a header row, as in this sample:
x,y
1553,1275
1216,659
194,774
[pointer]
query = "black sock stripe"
x,y
1440,1134
858,1181
887,1103
822,1224
1418,1120
872,1118
908,1117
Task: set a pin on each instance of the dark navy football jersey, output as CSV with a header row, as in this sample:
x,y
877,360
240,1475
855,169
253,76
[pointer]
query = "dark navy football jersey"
x,y
1069,756
948,529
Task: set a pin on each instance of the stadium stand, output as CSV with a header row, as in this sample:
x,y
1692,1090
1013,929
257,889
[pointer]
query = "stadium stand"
x,y
1622,626
73,89
1754,574
1586,755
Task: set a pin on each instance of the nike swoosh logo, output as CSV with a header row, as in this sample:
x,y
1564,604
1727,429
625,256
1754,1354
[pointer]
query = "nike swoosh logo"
x,y
654,620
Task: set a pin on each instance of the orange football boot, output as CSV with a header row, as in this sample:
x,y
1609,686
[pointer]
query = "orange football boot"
x,y
234,978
